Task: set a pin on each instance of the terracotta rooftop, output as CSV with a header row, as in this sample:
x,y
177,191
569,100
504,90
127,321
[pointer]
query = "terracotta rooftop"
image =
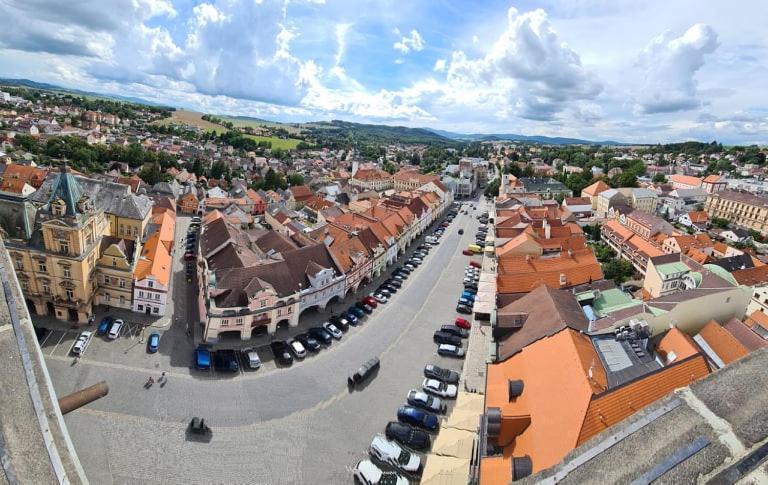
x,y
596,188
685,180
520,274
725,345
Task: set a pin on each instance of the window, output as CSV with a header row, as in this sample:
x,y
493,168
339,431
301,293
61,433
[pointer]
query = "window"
x,y
24,285
141,308
122,283
122,229
70,293
106,279
19,263
141,294
64,247
46,289
107,297
122,300
156,310
157,296
114,262
238,321
41,267
151,284
67,273
225,323
263,303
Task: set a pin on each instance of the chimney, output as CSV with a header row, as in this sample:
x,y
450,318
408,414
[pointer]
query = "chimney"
x,y
547,230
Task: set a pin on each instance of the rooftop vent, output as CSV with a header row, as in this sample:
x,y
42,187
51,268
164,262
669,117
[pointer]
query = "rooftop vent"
x,y
515,389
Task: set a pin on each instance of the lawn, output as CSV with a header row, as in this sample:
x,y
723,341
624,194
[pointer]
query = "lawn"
x,y
190,118
256,123
285,144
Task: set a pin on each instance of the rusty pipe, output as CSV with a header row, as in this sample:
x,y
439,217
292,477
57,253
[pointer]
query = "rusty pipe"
x,y
82,397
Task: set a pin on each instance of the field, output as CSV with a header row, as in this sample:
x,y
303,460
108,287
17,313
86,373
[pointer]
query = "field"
x,y
284,144
256,123
191,118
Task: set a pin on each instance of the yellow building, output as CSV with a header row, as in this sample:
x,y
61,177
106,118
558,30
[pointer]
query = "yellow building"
x,y
739,208
73,260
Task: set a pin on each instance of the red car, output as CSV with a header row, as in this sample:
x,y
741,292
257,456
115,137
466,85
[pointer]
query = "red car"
x,y
189,256
462,323
475,264
444,224
466,252
370,301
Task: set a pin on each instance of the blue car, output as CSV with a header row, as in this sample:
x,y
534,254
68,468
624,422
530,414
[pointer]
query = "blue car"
x,y
468,296
202,358
358,312
153,342
104,325
417,417
352,319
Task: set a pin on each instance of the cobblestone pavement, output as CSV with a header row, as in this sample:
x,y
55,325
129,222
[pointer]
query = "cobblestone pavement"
x,y
275,425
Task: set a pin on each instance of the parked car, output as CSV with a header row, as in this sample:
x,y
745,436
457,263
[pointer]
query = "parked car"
x,y
439,388
340,321
446,338
104,325
321,334
369,368
466,252
331,328
461,231
281,352
407,435
309,342
367,473
202,358
153,342
383,291
462,323
357,312
225,360
370,301
298,350
450,351
470,286
114,331
454,330
392,454
82,343
425,401
461,308
445,375
379,298
189,255
417,417
476,264
365,307
350,317
253,359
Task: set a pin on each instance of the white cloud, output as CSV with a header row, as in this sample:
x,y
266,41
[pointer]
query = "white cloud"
x,y
439,65
412,42
669,65
475,39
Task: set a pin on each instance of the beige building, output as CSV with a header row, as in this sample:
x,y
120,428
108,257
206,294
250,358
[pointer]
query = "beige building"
x,y
739,208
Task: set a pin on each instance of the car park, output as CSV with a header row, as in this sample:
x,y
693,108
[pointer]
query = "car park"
x,y
367,473
466,310
446,338
114,331
281,352
454,330
418,417
407,435
104,325
439,388
321,335
450,351
309,342
225,360
392,454
202,358
446,375
462,323
333,330
425,401
81,344
298,350
153,342
369,368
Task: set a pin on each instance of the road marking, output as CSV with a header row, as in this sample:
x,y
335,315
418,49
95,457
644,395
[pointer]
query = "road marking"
x,y
64,334
46,339
111,365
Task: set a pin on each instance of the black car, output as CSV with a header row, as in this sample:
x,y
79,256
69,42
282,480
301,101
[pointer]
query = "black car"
x,y
321,335
225,360
364,307
463,309
367,369
470,286
341,323
309,342
282,353
403,270
394,282
454,330
461,231
407,435
392,289
446,338
445,375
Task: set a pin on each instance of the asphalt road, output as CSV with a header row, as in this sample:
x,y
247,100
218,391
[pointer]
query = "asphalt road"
x,y
275,425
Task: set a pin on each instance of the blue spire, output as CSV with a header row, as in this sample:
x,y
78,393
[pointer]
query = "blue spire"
x,y
66,188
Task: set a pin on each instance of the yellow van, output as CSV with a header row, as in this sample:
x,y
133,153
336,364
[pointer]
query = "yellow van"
x,y
475,248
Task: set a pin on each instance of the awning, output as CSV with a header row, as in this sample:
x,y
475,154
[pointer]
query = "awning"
x,y
454,442
470,401
463,420
445,470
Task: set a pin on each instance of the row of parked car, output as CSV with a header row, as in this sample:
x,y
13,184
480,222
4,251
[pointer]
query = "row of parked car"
x,y
110,327
416,421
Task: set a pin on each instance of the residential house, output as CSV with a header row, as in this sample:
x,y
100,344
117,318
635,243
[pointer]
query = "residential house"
x,y
593,191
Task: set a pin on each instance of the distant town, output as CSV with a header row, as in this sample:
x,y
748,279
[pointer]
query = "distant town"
x,y
503,309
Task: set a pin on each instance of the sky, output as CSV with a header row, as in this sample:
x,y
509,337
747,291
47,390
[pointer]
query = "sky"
x,y
645,72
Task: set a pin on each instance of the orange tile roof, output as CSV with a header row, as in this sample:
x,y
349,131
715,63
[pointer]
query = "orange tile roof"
x,y
678,342
596,188
644,247
155,261
686,180
698,256
519,274
720,247
751,276
757,318
722,342
617,228
371,174
711,179
698,216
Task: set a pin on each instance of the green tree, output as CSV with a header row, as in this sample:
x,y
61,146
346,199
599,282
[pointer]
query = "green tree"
x,y
659,178
26,142
295,179
618,270
492,189
719,222
151,174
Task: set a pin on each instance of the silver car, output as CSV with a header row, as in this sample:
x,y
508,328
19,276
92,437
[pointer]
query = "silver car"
x,y
82,343
391,453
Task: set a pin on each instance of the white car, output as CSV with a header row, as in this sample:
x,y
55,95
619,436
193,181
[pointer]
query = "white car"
x,y
369,474
450,351
333,330
379,297
391,453
82,343
298,350
439,388
114,332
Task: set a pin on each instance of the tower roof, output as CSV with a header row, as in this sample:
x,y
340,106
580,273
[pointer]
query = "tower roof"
x,y
66,188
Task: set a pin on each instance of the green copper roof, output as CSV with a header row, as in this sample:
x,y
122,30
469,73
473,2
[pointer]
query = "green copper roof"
x,y
665,270
722,272
67,189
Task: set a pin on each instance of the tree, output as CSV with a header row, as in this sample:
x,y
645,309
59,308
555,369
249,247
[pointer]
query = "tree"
x,y
719,222
151,174
618,270
492,190
659,178
295,179
576,182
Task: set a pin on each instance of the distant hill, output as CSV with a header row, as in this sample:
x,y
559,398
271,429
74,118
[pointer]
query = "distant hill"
x,y
381,134
52,87
544,140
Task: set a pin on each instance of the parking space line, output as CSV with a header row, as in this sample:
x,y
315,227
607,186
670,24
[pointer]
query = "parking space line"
x,y
46,338
63,334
